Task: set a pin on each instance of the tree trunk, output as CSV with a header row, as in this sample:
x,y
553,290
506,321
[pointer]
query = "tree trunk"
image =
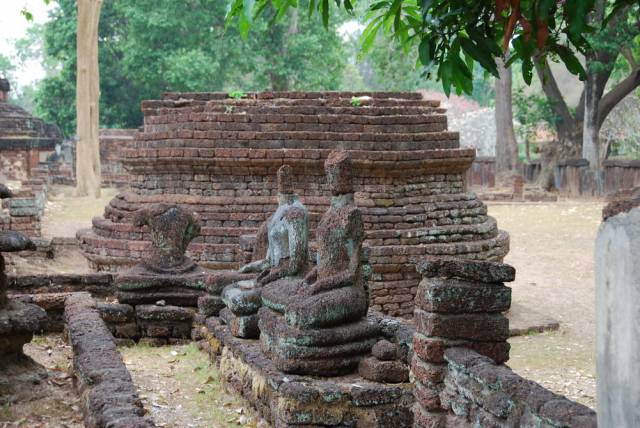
x,y
590,128
88,174
592,94
506,145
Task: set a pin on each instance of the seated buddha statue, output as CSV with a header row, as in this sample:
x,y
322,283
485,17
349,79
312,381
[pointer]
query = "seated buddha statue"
x,y
285,262
318,325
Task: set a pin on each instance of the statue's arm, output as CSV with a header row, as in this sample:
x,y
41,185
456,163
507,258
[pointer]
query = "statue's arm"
x,y
261,262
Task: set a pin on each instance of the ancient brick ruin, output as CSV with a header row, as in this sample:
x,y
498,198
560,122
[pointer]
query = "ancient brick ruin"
x,y
25,141
218,157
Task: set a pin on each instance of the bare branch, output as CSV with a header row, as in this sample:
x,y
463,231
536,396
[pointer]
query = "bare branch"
x,y
628,55
617,94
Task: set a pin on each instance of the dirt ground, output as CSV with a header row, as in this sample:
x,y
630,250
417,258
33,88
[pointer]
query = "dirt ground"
x,y
65,214
43,403
180,388
552,248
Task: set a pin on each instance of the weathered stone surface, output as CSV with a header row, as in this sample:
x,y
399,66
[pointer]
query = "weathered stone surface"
x,y
173,296
471,270
431,349
209,305
477,327
617,275
481,393
376,370
242,300
18,323
116,312
457,296
243,326
163,313
290,400
384,350
109,397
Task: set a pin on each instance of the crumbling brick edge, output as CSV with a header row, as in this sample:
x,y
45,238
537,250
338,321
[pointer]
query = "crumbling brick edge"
x,y
108,395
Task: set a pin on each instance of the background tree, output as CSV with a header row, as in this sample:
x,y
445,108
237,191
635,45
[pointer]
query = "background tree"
x,y
88,173
506,145
149,47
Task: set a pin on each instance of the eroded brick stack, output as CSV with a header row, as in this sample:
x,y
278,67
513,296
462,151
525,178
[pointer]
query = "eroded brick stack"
x,y
23,213
459,304
219,156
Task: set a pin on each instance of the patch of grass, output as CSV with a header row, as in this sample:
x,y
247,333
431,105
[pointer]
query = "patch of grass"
x,y
6,415
356,101
237,95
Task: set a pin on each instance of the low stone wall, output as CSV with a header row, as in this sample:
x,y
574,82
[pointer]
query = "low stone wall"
x,y
460,346
109,397
480,393
98,284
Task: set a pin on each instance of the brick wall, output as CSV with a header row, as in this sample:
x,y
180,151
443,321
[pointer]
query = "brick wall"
x,y
219,157
112,142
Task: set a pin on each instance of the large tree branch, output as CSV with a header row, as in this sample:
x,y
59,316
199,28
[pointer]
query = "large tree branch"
x,y
617,94
551,90
628,55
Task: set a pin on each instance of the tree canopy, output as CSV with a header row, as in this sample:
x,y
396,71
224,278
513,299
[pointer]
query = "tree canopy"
x,y
153,46
451,36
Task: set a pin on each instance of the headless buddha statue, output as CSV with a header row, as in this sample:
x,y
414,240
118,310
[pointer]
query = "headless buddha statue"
x,y
285,262
165,272
318,326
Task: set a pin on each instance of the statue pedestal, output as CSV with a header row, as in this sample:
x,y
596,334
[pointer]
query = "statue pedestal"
x,y
290,400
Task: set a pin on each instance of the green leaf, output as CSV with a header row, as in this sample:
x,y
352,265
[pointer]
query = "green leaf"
x,y
480,55
325,13
247,8
527,71
424,51
571,62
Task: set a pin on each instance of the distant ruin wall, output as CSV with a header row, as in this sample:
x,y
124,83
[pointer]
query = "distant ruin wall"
x,y
571,177
112,143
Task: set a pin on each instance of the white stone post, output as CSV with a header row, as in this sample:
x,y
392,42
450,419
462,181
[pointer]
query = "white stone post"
x,y
617,274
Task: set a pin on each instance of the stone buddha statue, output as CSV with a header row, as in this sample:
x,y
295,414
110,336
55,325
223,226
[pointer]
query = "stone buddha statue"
x,y
165,272
318,326
284,265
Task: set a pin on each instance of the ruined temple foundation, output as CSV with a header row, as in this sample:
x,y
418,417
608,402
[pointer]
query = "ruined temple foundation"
x,y
218,157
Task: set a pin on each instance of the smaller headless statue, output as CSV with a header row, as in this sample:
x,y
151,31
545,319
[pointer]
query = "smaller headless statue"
x,y
165,272
284,265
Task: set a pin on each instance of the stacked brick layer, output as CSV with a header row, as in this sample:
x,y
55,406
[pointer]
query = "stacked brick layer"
x,y
460,304
219,157
23,213
24,141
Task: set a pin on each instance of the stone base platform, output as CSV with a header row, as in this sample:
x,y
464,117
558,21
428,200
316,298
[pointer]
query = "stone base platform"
x,y
303,401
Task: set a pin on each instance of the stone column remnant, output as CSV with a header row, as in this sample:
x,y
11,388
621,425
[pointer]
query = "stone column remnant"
x,y
617,275
18,321
459,304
